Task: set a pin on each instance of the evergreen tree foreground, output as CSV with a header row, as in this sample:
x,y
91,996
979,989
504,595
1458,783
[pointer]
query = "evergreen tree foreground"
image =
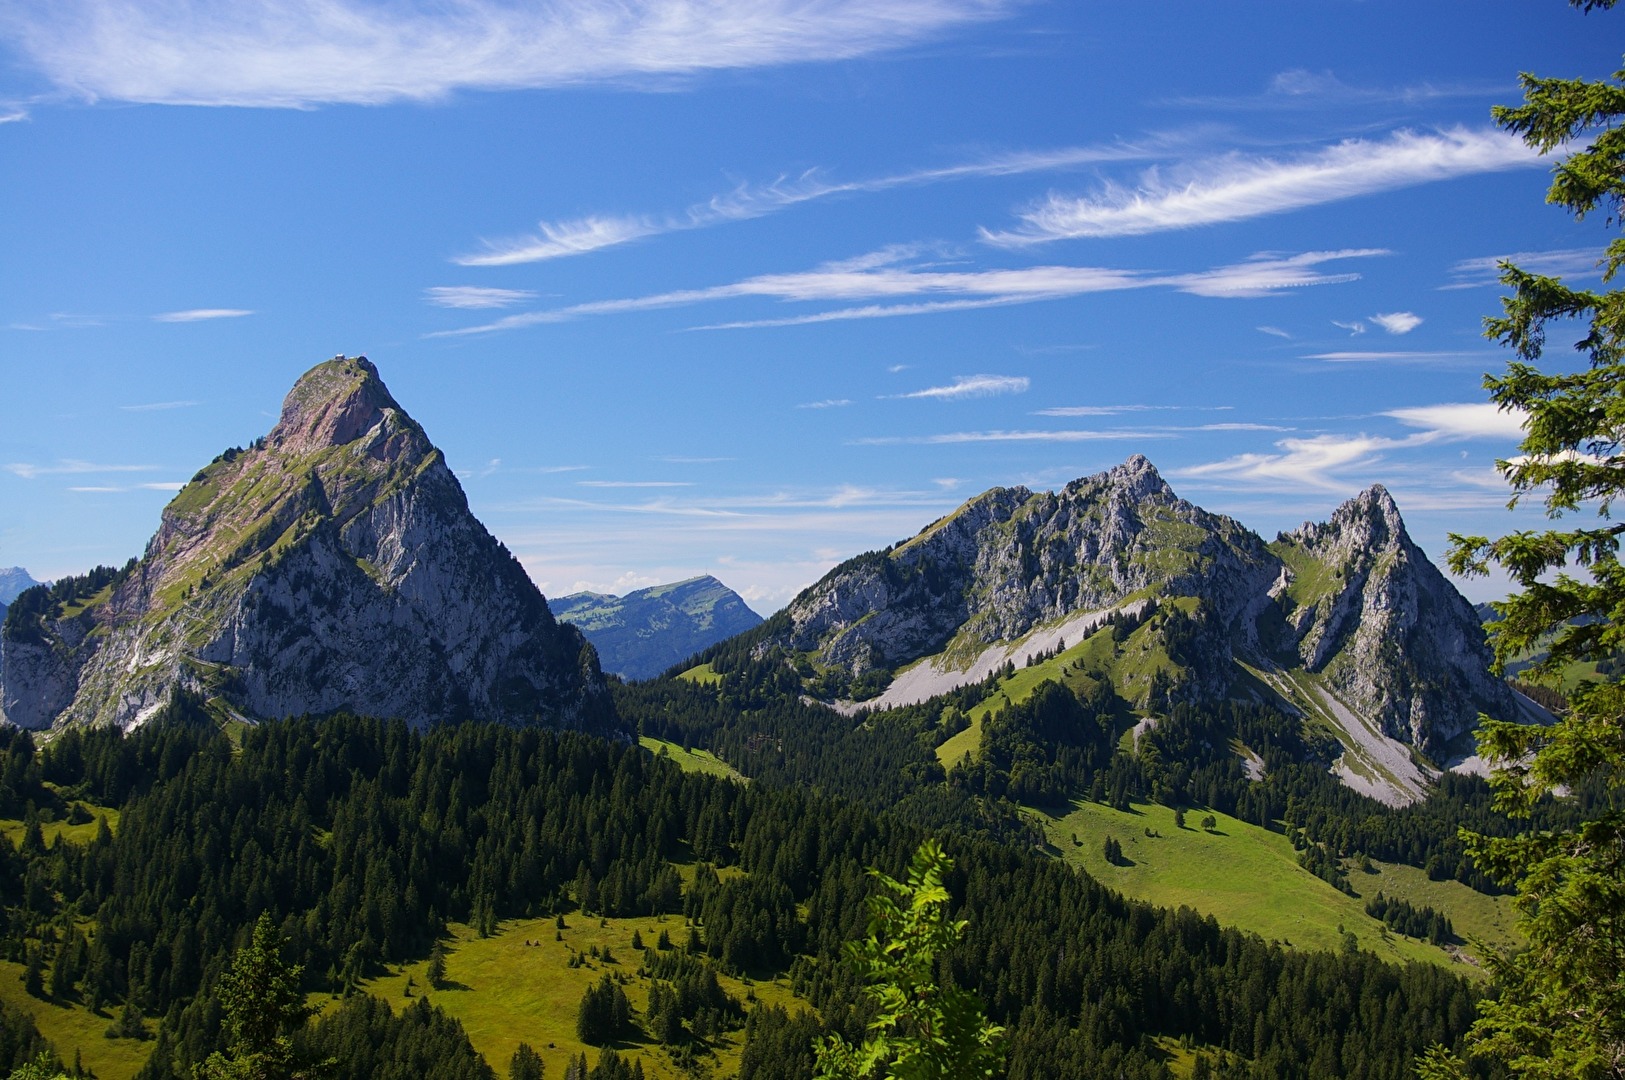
x,y
1559,1010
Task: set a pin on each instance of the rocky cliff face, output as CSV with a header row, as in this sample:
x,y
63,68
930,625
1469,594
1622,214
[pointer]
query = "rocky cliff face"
x,y
1364,606
643,633
1011,560
1352,602
332,565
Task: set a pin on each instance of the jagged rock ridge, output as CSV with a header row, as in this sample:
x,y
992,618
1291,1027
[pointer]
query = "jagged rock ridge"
x,y
334,564
1353,603
643,633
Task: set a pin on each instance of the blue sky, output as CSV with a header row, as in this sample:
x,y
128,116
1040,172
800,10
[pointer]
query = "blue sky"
x,y
745,287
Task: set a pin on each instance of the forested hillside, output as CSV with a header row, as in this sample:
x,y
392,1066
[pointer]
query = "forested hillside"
x,y
362,839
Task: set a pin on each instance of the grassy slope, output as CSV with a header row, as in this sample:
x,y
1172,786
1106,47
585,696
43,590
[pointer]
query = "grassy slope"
x,y
697,760
1242,875
1094,653
1476,917
704,674
74,834
506,992
71,1027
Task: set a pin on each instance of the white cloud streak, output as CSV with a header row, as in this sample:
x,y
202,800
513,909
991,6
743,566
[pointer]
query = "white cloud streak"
x,y
200,315
474,296
1486,270
1464,420
972,386
880,277
1235,188
1116,410
1010,436
635,483
1398,357
71,467
581,236
159,406
827,403
1314,462
1326,462
302,53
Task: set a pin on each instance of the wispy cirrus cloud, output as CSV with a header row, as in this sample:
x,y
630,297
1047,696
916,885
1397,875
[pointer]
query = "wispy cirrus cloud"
x,y
1316,462
886,277
581,236
1416,356
1060,436
1300,88
827,403
70,467
470,297
115,489
1273,331
1117,410
972,386
1486,270
1237,187
191,315
270,53
635,483
1479,419
1331,462
159,406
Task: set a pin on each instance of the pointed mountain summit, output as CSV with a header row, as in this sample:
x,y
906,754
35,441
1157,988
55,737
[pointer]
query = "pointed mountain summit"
x,y
1345,623
333,564
643,633
1367,611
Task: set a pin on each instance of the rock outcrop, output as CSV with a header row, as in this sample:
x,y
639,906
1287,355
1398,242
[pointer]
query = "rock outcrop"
x,y
334,564
643,633
1389,633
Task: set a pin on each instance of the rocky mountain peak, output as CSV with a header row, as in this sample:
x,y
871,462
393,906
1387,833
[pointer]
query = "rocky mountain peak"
x,y
333,404
1137,478
332,565
1370,522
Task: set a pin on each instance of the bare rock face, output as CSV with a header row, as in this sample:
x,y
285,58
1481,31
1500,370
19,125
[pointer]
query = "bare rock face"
x,y
1011,560
1385,627
332,565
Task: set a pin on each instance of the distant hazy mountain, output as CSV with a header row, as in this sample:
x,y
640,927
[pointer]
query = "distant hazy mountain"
x,y
643,633
333,564
13,580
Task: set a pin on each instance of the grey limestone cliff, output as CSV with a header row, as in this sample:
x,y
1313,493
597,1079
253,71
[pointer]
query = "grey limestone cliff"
x,y
332,565
1364,607
1011,560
